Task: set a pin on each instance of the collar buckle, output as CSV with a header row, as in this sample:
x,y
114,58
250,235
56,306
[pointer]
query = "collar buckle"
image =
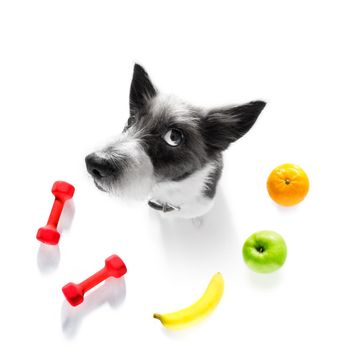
x,y
160,206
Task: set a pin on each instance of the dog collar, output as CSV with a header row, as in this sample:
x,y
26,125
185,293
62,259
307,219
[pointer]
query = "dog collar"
x,y
164,207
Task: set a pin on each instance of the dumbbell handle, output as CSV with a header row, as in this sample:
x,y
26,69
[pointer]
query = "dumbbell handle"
x,y
56,211
94,280
62,191
114,267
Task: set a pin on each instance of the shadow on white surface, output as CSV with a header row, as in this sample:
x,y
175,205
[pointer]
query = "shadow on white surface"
x,y
208,243
264,280
112,291
48,258
67,216
285,210
187,332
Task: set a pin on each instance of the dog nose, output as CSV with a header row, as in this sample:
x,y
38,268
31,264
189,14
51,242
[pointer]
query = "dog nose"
x,y
98,167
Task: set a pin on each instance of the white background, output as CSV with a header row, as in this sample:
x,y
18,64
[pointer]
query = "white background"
x,y
65,70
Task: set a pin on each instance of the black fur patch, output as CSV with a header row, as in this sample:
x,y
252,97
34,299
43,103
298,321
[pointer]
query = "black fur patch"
x,y
214,177
222,126
141,89
206,135
172,163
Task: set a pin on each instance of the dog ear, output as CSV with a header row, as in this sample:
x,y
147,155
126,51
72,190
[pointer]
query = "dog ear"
x,y
141,89
222,126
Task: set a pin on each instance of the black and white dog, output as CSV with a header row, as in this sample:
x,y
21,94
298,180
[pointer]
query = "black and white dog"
x,y
170,152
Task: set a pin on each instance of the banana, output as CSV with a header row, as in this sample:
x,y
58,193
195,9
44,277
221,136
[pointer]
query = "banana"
x,y
197,311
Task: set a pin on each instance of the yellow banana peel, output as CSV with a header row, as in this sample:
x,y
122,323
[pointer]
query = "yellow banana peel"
x,y
197,311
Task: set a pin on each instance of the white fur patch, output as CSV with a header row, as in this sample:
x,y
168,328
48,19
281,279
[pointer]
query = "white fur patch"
x,y
186,194
137,177
172,105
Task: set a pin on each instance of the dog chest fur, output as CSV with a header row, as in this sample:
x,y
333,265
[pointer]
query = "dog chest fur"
x,y
188,194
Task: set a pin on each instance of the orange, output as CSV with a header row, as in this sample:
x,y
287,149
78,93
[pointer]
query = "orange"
x,y
288,184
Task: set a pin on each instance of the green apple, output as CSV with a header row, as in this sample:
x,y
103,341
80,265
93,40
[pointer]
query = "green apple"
x,y
264,251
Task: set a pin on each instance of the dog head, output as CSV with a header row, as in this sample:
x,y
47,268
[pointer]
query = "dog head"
x,y
165,139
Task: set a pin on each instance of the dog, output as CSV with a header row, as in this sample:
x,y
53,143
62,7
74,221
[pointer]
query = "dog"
x,y
170,152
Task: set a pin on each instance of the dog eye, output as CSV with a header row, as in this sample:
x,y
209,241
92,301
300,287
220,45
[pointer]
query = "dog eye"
x,y
173,137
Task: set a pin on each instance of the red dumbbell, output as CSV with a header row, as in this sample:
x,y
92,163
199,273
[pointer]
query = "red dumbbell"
x,y
62,192
114,267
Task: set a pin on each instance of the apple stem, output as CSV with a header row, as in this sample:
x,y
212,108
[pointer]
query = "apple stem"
x,y
287,181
